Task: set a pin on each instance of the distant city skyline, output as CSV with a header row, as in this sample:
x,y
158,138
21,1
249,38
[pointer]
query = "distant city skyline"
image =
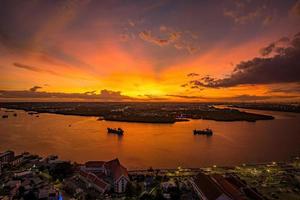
x,y
163,50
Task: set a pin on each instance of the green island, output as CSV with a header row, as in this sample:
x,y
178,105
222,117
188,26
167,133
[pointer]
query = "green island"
x,y
141,112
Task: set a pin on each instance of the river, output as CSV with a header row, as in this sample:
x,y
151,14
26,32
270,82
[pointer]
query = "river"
x,y
79,139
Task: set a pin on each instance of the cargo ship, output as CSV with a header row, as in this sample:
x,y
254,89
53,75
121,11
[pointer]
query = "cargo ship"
x,y
118,131
206,131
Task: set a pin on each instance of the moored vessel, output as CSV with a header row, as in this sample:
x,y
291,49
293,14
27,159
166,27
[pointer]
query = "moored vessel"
x,y
206,131
118,131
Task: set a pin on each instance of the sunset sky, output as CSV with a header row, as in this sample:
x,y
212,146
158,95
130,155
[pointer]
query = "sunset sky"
x,y
164,50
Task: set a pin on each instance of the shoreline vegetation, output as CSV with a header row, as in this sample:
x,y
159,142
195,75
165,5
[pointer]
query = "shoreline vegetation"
x,y
140,112
294,108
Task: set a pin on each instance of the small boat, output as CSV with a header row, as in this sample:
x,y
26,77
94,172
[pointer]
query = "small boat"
x,y
206,131
118,131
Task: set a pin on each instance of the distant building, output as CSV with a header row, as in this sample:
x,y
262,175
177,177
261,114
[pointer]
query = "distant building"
x,y
17,160
111,172
7,156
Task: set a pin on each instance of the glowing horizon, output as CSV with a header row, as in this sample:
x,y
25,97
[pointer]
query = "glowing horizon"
x,y
140,51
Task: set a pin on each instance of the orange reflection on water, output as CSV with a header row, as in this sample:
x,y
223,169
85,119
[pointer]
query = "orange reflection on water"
x,y
159,145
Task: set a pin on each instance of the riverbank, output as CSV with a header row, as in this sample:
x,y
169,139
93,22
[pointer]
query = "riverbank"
x,y
141,112
293,108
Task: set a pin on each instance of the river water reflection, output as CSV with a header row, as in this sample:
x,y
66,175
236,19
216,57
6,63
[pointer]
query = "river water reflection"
x,y
80,139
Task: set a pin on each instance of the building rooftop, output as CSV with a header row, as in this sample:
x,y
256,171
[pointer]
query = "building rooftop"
x,y
228,187
117,170
6,152
94,179
94,164
209,188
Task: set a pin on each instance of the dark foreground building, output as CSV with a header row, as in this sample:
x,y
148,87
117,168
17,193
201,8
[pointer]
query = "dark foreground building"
x,y
216,187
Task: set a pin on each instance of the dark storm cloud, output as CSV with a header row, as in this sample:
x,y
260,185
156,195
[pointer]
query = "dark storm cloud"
x,y
268,49
35,88
274,46
282,67
104,95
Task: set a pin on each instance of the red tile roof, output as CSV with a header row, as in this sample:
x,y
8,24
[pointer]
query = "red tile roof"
x,y
208,187
228,187
116,169
94,179
100,175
